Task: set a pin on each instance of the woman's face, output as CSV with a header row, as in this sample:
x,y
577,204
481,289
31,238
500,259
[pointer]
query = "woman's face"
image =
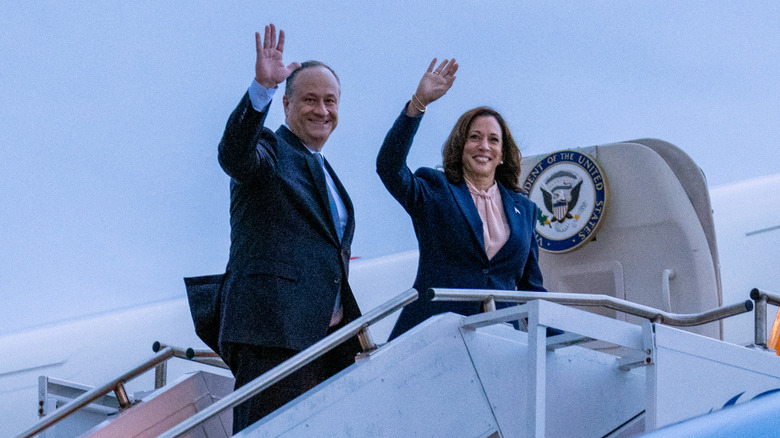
x,y
482,151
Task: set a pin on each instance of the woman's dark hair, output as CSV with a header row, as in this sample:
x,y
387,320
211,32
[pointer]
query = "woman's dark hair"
x,y
507,173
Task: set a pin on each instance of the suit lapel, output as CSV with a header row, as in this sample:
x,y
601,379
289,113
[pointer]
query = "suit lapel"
x,y
512,211
469,210
350,227
319,181
515,215
517,220
318,176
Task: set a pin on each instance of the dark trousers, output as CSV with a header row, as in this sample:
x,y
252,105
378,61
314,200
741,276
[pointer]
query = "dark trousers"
x,y
250,361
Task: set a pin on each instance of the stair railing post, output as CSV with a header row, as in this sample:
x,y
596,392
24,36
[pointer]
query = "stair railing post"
x,y
489,305
161,375
121,396
367,343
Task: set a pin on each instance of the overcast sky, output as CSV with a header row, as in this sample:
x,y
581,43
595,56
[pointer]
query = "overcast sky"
x,y
110,115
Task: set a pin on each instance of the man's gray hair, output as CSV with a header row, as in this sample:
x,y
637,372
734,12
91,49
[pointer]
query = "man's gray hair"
x,y
290,85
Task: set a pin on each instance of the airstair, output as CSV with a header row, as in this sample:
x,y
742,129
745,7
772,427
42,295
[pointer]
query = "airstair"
x,y
477,376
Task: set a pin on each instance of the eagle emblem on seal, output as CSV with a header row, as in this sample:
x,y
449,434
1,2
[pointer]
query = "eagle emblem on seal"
x,y
561,192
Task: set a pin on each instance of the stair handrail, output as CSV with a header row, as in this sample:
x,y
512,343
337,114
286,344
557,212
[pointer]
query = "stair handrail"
x,y
488,297
762,298
358,327
204,356
207,357
116,385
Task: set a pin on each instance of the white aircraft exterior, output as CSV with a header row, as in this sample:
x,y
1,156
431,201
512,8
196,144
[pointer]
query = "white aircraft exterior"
x,y
96,349
748,230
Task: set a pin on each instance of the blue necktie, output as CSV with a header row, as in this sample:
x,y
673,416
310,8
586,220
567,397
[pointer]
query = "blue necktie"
x,y
334,210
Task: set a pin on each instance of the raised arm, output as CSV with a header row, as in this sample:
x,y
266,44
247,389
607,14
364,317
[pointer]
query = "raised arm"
x,y
391,162
269,68
433,85
246,153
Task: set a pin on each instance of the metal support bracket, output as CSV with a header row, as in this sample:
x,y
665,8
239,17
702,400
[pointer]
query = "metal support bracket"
x,y
630,362
566,340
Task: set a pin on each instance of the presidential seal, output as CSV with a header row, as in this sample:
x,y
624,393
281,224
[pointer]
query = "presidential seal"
x,y
570,190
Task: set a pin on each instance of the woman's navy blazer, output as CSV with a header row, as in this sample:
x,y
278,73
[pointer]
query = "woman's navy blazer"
x,y
450,235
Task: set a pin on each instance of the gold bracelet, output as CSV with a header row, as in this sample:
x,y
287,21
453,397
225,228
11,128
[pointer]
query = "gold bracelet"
x,y
422,110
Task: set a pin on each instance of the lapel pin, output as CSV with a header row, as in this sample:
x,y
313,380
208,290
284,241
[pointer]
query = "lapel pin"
x,y
517,211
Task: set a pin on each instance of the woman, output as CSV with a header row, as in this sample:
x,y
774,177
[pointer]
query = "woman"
x,y
474,230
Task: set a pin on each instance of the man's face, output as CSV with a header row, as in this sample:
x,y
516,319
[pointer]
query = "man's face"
x,y
312,111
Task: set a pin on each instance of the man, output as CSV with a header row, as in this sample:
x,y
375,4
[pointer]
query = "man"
x,y
292,224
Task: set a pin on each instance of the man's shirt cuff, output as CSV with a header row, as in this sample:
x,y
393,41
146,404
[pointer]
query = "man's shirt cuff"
x,y
260,96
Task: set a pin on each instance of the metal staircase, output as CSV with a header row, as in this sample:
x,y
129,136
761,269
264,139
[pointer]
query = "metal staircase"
x,y
477,376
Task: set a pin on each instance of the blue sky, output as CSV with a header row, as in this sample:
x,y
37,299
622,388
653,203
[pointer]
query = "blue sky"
x,y
110,116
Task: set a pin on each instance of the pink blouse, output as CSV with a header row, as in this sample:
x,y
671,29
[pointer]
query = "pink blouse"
x,y
494,227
